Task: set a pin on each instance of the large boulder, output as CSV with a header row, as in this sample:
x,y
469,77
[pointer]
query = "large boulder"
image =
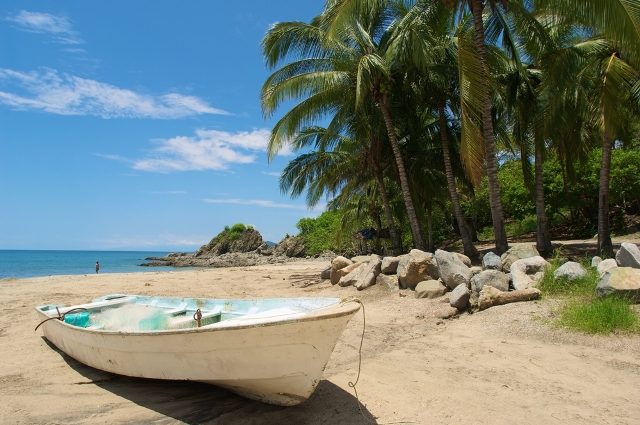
x,y
527,272
338,263
491,261
622,281
368,275
453,271
606,265
326,273
494,278
390,265
465,260
340,273
459,297
365,258
517,252
430,289
390,281
415,267
353,276
628,255
570,271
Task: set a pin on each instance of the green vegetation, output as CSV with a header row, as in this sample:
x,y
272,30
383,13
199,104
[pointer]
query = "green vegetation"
x,y
435,120
234,232
582,310
321,233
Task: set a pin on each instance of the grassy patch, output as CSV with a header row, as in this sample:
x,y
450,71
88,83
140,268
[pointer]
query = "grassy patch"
x,y
599,315
579,287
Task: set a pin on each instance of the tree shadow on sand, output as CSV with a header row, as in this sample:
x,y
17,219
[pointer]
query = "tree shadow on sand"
x,y
198,403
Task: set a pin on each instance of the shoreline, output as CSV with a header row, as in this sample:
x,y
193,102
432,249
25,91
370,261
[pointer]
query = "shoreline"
x,y
486,367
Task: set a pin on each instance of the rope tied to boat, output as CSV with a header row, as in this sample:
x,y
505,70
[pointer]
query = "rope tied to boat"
x,y
60,316
197,316
364,325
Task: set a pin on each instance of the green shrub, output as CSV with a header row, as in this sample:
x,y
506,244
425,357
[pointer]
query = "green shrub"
x,y
599,315
322,233
522,227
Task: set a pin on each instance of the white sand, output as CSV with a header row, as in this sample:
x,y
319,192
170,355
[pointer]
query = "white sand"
x,y
502,366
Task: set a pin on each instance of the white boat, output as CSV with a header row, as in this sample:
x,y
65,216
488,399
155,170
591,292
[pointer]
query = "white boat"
x,y
272,350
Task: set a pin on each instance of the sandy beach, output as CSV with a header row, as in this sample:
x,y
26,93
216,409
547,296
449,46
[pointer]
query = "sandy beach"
x,y
501,366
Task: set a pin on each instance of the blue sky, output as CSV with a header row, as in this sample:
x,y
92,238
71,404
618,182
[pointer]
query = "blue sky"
x,y
137,124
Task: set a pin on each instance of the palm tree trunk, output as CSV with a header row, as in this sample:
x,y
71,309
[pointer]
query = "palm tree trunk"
x,y
429,230
605,247
543,238
418,241
465,235
495,204
396,241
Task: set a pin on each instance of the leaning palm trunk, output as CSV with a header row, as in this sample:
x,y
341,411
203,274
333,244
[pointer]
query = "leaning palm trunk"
x,y
543,239
605,247
467,243
396,241
489,145
416,233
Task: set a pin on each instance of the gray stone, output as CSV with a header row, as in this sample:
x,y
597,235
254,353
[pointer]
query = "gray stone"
x,y
391,281
622,281
430,289
517,252
494,278
368,275
459,297
595,261
606,265
527,272
415,267
475,270
628,255
390,265
570,271
326,273
338,266
491,261
452,270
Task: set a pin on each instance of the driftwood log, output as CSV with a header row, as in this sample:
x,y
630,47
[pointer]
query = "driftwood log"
x,y
490,296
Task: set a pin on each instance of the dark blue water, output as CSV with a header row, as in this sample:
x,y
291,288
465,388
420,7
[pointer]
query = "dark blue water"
x,y
26,263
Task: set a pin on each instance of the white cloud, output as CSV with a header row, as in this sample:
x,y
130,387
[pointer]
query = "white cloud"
x,y
207,150
154,242
59,93
57,27
256,202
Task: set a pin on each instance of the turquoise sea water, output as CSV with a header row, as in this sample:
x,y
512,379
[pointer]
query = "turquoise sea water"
x,y
26,263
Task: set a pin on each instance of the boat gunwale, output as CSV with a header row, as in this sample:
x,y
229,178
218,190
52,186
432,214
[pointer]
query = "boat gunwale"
x,y
341,308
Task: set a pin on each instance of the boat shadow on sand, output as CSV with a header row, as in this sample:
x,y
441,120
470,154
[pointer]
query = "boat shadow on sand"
x,y
198,403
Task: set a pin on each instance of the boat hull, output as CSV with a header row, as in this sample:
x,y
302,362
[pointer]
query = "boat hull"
x,y
278,363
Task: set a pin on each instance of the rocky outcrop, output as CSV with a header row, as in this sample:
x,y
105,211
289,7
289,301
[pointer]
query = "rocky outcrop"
x,y
527,272
415,267
621,281
453,271
232,240
628,255
570,271
430,289
290,246
517,252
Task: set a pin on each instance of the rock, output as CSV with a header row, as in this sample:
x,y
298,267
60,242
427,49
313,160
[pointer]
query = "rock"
x,y
445,312
326,273
229,240
527,272
368,275
415,267
337,264
494,278
430,289
365,258
390,281
606,265
465,260
340,273
453,271
290,246
475,270
459,297
390,265
628,255
570,271
491,261
490,296
595,261
517,252
265,249
353,275
622,281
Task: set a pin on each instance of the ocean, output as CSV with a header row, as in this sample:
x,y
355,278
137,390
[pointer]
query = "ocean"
x,y
28,263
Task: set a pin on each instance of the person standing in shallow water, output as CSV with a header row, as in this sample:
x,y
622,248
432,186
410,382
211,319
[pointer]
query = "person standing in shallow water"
x,y
97,267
